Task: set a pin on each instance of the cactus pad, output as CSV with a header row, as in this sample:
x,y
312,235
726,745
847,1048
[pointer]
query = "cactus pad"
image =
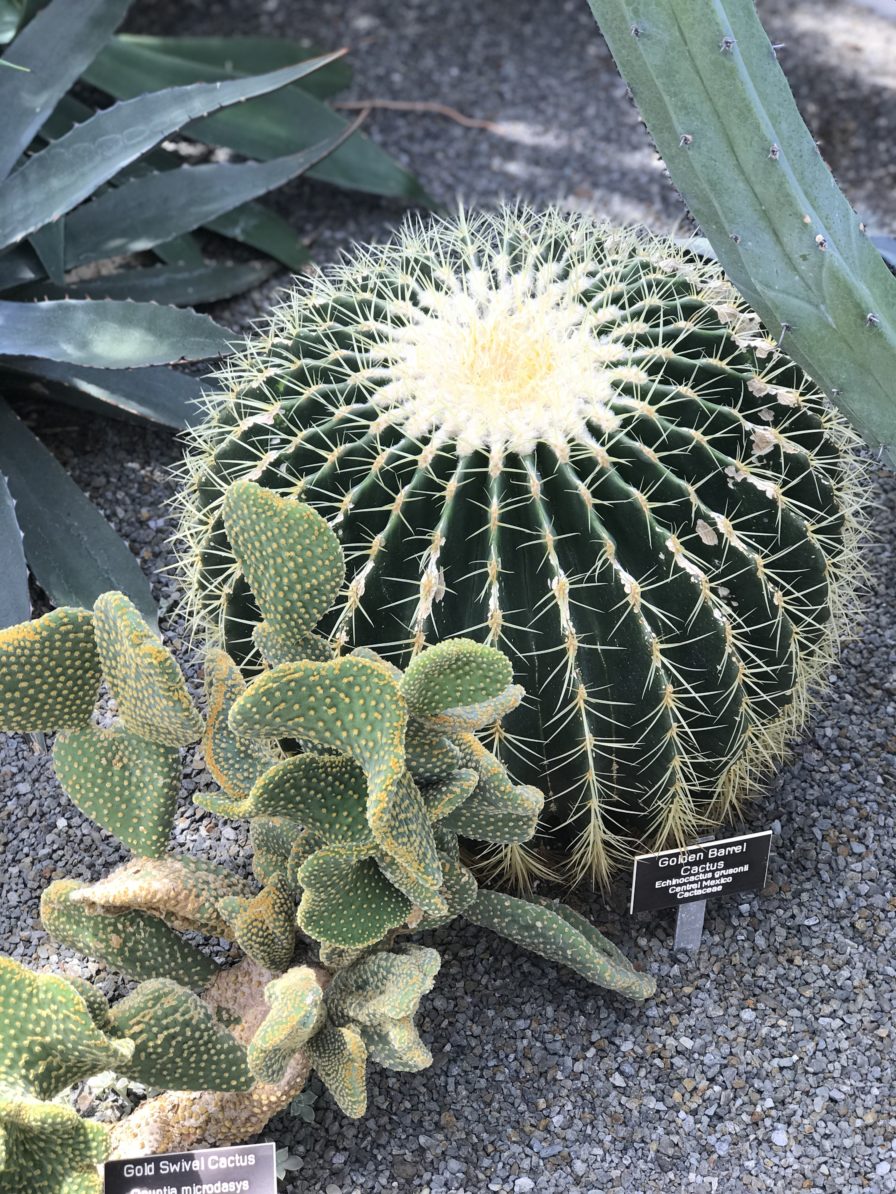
x,y
348,903
49,1040
454,673
379,996
351,705
178,1044
183,892
139,945
458,891
430,755
126,784
445,796
49,672
325,793
557,933
383,986
152,697
49,1149
272,840
340,1058
235,763
264,926
297,1013
290,558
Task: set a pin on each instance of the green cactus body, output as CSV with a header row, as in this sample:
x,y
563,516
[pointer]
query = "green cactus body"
x,y
558,933
340,1058
124,783
144,678
136,943
574,443
264,926
178,1045
378,997
296,1014
49,672
49,1041
234,763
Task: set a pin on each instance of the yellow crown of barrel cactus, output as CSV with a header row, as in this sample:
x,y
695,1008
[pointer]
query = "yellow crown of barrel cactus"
x,y
575,443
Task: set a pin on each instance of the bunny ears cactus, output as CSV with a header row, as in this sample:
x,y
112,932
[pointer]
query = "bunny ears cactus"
x,y
356,779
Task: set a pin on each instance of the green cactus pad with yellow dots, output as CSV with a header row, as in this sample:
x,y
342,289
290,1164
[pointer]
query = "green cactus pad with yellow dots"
x,y
340,1059
147,684
126,784
264,926
49,673
558,933
139,945
235,763
178,1044
290,558
296,1014
455,673
348,903
49,1041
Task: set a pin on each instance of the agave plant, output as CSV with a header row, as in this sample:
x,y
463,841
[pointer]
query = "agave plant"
x,y
78,188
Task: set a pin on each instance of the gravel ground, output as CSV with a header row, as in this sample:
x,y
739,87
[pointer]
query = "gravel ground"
x,y
766,1061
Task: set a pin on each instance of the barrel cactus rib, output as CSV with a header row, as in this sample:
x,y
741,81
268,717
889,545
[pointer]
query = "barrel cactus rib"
x,y
575,443
724,120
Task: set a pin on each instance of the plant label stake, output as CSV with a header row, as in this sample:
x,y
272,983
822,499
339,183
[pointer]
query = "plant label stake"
x,y
244,1169
685,877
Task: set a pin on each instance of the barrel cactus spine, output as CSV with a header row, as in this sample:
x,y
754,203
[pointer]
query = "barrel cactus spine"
x,y
576,443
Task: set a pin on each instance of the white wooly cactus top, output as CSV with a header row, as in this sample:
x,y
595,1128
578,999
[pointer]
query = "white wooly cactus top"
x,y
573,442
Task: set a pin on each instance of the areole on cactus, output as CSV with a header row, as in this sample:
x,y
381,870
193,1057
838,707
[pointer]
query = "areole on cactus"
x,y
573,442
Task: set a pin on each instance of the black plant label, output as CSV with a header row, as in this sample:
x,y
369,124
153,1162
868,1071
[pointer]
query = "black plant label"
x,y
671,878
244,1169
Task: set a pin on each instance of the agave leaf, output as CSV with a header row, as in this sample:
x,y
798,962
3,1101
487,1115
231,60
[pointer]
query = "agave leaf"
x,y
18,266
182,285
886,246
9,20
251,223
182,250
250,56
150,210
49,245
113,335
255,225
278,125
72,550
15,605
55,180
54,49
157,393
